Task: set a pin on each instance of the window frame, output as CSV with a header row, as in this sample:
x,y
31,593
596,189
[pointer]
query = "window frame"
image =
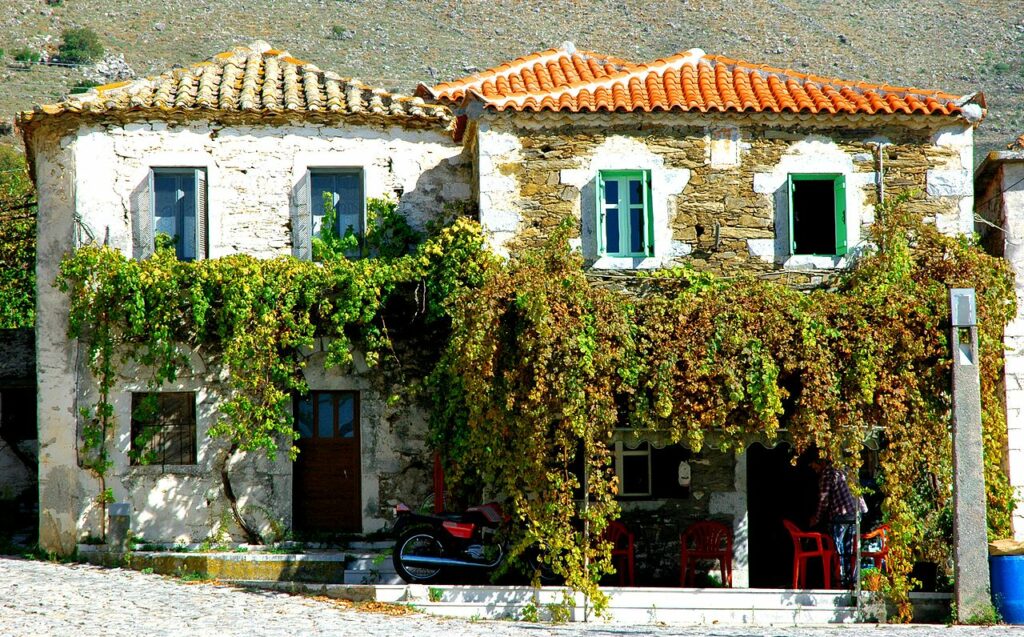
x,y
136,429
839,211
623,177
621,450
200,204
314,413
360,173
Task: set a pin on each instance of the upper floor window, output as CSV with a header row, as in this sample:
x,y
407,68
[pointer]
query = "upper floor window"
x,y
170,210
817,214
163,428
625,219
314,193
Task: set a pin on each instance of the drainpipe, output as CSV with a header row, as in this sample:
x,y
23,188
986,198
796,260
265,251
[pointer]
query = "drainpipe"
x,y
880,168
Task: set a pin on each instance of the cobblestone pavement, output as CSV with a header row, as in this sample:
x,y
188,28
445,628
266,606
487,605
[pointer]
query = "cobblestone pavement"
x,y
41,598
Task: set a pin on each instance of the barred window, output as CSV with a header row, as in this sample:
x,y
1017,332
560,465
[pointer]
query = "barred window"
x,y
163,428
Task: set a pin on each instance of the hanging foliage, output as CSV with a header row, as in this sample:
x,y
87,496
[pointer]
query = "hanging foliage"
x,y
251,316
542,366
17,242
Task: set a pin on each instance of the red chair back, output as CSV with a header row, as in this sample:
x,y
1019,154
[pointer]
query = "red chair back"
x,y
702,541
616,533
707,538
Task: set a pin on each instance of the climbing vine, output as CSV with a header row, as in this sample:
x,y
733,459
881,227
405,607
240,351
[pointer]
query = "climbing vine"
x,y
536,365
251,317
542,366
17,242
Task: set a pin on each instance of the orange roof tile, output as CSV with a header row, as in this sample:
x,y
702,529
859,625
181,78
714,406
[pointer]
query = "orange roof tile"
x,y
566,79
255,79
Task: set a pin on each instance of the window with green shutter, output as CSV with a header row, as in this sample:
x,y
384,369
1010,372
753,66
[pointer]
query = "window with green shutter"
x,y
625,223
817,214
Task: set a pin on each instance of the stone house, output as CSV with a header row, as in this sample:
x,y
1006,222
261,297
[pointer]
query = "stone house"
x,y
999,192
729,166
229,155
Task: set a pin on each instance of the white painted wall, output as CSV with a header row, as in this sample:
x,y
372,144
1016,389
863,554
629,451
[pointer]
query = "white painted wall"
x,y
1006,196
86,179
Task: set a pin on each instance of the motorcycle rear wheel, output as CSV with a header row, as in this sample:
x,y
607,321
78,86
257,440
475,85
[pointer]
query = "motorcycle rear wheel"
x,y
417,542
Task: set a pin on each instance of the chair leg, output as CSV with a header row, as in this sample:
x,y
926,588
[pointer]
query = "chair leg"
x,y
826,567
796,572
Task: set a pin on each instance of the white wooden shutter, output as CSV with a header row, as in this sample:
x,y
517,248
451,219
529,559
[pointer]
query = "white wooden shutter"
x,y
302,220
202,250
141,210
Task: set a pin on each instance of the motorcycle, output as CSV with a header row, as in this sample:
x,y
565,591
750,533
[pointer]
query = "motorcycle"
x,y
428,547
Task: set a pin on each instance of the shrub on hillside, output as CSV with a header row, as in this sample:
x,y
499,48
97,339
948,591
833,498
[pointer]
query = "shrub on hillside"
x,y
26,55
80,46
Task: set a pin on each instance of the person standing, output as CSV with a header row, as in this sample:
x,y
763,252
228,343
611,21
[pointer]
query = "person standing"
x,y
837,511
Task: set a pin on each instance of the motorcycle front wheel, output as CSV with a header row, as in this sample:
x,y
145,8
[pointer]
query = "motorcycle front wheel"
x,y
417,543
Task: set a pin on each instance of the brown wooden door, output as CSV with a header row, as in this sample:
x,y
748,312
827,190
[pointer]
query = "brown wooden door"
x,y
326,495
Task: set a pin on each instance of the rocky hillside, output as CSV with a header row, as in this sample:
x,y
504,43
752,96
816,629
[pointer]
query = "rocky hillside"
x,y
956,45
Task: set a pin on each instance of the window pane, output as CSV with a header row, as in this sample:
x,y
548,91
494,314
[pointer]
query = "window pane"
x,y
611,230
635,474
324,415
636,192
636,230
349,203
163,428
611,192
346,415
165,204
304,416
174,209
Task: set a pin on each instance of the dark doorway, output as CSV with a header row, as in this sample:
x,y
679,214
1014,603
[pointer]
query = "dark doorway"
x,y
326,495
777,491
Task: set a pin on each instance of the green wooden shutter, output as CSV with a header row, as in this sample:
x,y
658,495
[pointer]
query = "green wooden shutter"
x,y
839,186
648,214
792,227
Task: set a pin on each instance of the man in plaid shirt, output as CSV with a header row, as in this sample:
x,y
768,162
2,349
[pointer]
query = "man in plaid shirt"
x,y
838,509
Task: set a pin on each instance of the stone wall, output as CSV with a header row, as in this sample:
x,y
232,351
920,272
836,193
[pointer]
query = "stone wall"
x,y
86,176
658,522
719,195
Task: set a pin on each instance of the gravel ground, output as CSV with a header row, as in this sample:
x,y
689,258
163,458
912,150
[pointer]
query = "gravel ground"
x,y
41,598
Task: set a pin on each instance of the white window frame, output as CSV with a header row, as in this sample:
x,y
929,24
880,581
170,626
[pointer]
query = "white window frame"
x,y
622,451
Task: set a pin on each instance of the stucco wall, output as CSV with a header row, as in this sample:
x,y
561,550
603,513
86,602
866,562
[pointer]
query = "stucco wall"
x,y
719,195
86,178
1001,202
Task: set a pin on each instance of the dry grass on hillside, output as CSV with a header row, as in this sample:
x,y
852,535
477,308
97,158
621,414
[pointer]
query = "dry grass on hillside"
x,y
956,45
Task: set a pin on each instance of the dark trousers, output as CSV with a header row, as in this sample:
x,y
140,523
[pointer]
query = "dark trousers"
x,y
842,531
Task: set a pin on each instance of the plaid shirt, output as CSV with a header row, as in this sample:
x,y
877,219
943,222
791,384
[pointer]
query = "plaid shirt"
x,y
835,500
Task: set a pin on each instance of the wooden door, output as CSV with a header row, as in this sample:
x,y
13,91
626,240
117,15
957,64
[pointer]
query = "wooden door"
x,y
326,494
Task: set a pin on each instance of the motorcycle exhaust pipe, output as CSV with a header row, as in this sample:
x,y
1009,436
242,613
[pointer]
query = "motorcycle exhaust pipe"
x,y
426,560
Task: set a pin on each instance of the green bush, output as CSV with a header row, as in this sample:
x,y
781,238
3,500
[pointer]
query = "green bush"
x,y
80,46
26,54
81,86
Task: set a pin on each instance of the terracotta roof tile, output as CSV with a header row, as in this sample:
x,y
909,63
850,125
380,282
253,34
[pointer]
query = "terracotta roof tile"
x,y
567,79
255,79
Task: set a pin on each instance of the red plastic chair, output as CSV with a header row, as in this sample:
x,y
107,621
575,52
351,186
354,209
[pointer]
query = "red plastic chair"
x,y
878,556
823,548
622,551
705,541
